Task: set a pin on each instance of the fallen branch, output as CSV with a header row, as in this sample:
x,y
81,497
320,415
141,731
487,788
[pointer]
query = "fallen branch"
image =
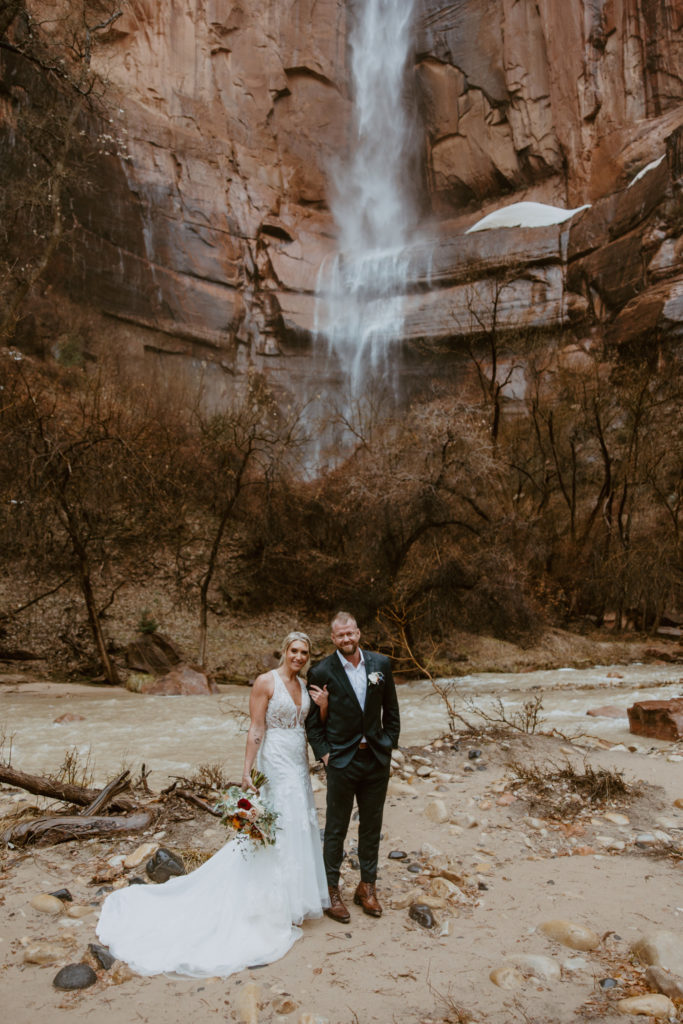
x,y
107,795
40,785
185,794
66,828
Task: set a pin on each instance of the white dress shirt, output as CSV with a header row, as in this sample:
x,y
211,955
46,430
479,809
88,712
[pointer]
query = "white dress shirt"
x,y
357,676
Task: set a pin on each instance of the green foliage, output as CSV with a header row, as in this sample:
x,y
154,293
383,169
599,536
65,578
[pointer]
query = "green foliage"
x,y
146,623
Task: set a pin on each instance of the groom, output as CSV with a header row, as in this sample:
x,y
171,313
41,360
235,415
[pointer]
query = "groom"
x,y
354,742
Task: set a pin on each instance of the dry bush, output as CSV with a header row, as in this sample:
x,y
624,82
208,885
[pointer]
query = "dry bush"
x,y
560,791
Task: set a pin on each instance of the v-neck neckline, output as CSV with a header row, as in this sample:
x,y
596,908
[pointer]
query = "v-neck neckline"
x,y
296,706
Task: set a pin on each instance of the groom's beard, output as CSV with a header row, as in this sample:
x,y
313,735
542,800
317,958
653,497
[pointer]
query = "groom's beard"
x,y
348,650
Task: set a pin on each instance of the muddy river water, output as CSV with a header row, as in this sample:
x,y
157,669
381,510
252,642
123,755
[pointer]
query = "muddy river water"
x,y
173,735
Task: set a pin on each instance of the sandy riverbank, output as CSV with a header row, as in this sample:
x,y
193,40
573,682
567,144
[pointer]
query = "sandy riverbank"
x,y
512,865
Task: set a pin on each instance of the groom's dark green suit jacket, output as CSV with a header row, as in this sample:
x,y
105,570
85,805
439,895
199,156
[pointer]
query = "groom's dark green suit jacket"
x,y
347,723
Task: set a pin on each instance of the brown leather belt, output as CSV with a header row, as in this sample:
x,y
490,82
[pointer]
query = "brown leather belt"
x,y
362,746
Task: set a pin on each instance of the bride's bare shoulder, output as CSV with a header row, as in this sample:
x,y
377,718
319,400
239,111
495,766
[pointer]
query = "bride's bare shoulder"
x,y
264,685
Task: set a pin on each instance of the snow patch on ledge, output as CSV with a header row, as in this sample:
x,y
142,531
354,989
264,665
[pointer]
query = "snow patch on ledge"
x,y
646,170
525,215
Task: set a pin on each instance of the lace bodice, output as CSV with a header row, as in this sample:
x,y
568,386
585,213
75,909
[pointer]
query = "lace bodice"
x,y
282,712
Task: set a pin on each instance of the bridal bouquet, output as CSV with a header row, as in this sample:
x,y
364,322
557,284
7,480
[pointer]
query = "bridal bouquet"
x,y
247,814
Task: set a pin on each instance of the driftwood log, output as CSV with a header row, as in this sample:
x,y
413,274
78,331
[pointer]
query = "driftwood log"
x,y
65,828
66,791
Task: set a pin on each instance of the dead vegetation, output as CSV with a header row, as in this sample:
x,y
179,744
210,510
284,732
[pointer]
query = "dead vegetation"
x,y
561,791
81,812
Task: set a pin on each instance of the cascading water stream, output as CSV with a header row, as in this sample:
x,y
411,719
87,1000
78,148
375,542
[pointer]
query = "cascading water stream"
x,y
360,295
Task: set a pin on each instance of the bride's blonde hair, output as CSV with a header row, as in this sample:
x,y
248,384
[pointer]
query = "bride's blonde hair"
x,y
287,643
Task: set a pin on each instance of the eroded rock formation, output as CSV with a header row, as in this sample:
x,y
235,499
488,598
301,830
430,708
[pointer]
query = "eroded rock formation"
x,y
209,222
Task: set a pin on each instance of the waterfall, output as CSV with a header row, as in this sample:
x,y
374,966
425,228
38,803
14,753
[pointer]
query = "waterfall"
x,y
360,294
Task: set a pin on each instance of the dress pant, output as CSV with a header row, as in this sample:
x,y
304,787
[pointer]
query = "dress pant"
x,y
366,779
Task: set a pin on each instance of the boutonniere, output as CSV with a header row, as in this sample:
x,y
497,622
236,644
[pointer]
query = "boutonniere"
x,y
375,678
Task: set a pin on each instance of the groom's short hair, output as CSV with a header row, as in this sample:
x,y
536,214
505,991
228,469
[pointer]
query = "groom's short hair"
x,y
342,617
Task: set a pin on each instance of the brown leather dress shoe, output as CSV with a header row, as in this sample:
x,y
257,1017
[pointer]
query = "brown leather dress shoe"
x,y
336,910
366,897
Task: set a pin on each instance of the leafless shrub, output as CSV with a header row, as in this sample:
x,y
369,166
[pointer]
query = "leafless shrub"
x,y
562,791
74,769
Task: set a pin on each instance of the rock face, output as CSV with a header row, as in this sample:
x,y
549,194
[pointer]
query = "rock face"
x,y
225,116
659,719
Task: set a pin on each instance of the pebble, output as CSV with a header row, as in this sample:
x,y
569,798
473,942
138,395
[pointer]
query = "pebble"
x,y
616,819
660,949
144,852
102,955
536,823
576,936
43,953
666,983
63,894
678,802
542,967
650,1005
575,963
164,865
507,977
397,855
47,904
417,759
675,758
421,913
423,771
437,811
79,910
464,820
74,976
473,754
447,890
506,799
607,983
396,755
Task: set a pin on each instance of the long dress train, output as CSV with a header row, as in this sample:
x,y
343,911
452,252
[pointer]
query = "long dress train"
x,y
241,907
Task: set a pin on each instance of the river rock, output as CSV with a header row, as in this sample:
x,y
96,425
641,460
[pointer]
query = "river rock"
x,y
650,1005
436,811
421,913
47,904
181,681
616,819
62,894
607,711
164,865
397,855
79,910
134,859
661,949
424,771
678,802
43,953
507,977
658,719
75,976
542,967
102,955
445,889
576,936
668,984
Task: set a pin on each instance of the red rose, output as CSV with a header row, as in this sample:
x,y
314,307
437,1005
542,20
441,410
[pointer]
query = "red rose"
x,y
244,804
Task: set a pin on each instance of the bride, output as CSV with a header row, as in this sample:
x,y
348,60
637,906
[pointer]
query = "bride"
x,y
241,908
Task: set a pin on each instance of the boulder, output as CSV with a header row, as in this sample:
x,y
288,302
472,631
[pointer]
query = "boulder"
x,y
183,681
658,719
153,653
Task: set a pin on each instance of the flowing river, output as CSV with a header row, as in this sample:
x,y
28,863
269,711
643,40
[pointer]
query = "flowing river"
x,y
113,729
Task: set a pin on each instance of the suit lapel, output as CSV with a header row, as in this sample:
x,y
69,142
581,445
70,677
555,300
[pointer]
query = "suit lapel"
x,y
339,672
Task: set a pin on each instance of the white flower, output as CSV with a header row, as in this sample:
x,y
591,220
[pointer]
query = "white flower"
x,y
375,678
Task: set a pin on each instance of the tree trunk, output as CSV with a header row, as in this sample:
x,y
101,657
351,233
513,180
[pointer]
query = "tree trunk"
x,y
66,791
69,827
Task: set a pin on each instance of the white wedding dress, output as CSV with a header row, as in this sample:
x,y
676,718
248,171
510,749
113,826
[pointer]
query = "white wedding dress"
x,y
241,907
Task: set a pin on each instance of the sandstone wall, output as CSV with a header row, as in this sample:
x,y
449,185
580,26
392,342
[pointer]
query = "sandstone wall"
x,y
208,222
